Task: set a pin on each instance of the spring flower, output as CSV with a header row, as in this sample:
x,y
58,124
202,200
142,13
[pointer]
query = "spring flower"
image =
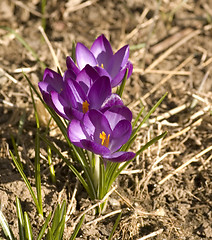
x,y
52,81
72,98
102,58
103,133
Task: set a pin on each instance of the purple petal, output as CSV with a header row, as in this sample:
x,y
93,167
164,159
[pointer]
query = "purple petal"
x,y
116,114
102,51
84,56
75,94
130,68
122,55
45,89
120,135
54,79
99,91
112,100
95,122
69,74
119,156
73,113
60,104
118,78
119,61
71,65
86,77
94,147
102,72
75,132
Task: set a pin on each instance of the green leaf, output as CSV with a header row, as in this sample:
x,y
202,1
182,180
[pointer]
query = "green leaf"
x,y
26,182
51,166
72,168
73,52
152,141
20,219
16,152
121,88
58,222
56,219
28,228
137,118
135,131
44,227
139,152
58,234
149,114
115,226
77,228
37,171
5,226
49,235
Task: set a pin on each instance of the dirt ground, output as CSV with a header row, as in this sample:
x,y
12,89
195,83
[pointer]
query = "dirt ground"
x,y
166,193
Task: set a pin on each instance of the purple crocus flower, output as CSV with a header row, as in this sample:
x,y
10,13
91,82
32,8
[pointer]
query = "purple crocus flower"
x,y
52,81
102,58
71,96
103,133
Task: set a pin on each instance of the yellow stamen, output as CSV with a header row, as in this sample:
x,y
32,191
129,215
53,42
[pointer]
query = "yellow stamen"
x,y
102,66
85,106
105,138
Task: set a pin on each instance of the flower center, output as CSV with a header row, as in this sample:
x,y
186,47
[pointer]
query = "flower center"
x,y
105,139
102,66
85,106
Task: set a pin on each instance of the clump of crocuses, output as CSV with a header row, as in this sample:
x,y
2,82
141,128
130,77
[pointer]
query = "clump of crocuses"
x,y
98,121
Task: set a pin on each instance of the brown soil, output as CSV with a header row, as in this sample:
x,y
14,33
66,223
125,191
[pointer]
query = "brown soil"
x,y
167,191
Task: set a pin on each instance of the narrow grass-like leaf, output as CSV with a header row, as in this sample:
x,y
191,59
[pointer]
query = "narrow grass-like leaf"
x,y
26,182
135,131
20,219
37,157
137,118
152,141
62,210
56,219
72,168
49,235
139,152
25,44
115,226
77,228
16,152
58,234
101,187
58,222
28,228
51,166
73,52
44,227
138,46
5,226
37,171
149,114
121,88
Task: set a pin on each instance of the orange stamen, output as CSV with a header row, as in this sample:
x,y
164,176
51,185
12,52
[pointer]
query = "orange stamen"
x,y
105,139
85,106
